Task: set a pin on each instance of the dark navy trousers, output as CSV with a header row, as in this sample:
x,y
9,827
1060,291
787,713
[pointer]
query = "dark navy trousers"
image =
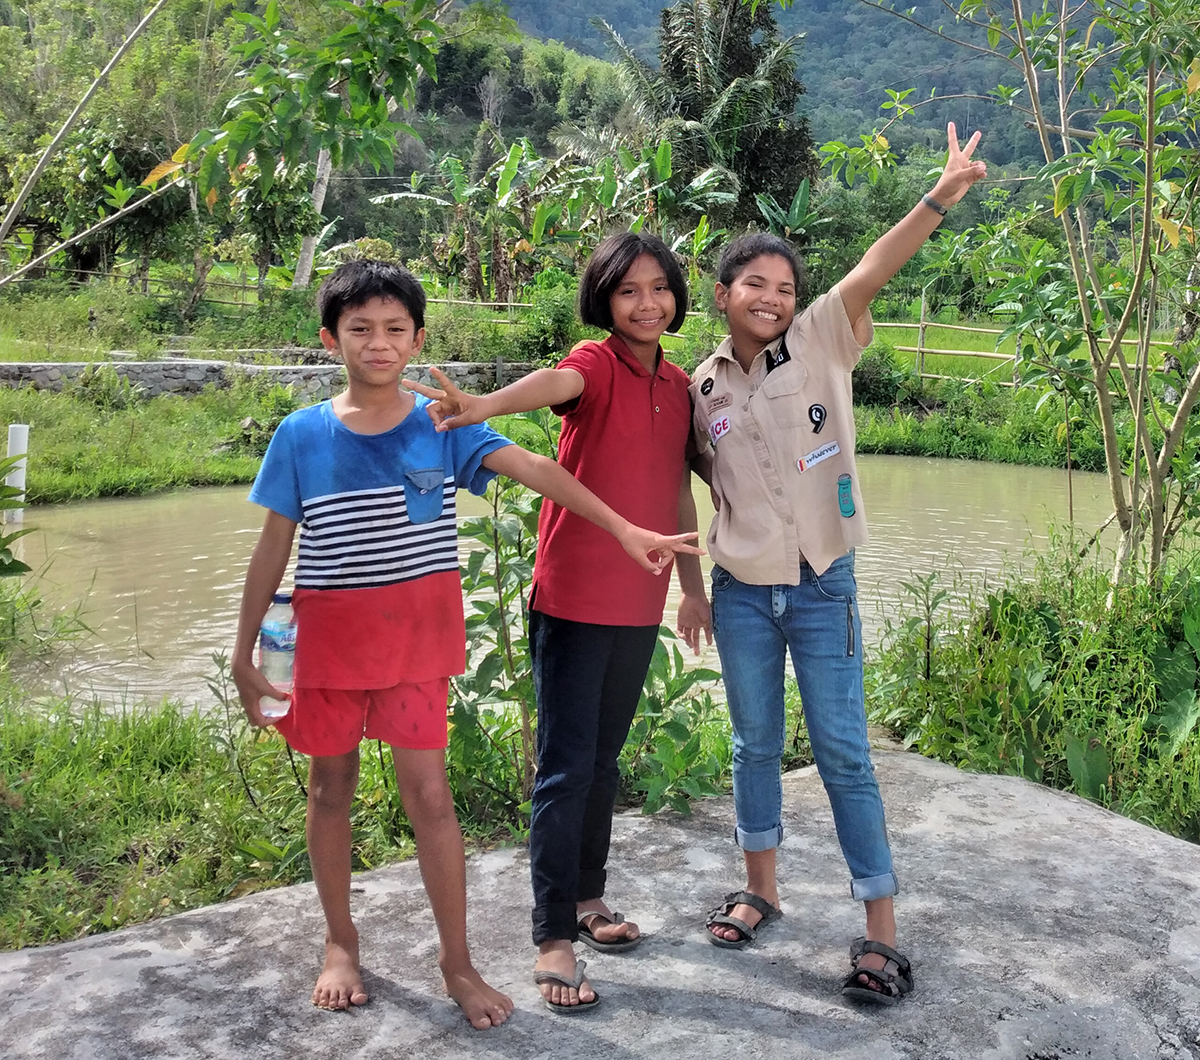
x,y
588,680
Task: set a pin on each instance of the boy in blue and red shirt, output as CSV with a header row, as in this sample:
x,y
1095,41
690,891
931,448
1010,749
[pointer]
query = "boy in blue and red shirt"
x,y
378,604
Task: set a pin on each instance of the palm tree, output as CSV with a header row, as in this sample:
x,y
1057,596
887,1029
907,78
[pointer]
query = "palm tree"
x,y
723,99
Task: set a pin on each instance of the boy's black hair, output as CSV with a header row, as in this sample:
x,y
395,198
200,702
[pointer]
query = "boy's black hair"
x,y
355,283
607,267
743,250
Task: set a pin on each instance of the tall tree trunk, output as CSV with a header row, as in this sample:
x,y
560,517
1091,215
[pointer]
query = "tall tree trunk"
x,y
308,248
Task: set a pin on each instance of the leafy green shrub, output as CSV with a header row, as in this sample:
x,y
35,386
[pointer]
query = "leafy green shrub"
x,y
105,389
1051,680
268,403
878,377
467,333
549,330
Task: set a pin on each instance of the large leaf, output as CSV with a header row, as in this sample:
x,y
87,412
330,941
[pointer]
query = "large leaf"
x,y
1176,721
1088,764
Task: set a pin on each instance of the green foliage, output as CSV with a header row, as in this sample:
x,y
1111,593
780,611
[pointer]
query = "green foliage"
x,y
878,378
679,746
272,403
104,388
166,442
979,422
1058,677
549,330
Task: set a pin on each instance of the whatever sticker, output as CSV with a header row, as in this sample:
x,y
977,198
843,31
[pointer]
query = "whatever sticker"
x,y
718,428
817,455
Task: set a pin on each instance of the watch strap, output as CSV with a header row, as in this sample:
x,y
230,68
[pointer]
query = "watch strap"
x,y
934,205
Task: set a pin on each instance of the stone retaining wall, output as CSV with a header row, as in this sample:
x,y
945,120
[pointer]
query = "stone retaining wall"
x,y
189,376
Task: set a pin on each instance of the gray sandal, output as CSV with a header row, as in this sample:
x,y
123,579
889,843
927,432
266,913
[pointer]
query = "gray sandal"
x,y
546,976
720,917
616,946
888,984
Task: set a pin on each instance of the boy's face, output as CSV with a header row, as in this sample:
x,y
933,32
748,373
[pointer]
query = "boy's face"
x,y
761,301
376,340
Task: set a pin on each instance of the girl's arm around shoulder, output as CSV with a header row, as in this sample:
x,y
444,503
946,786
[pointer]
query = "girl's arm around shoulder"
x,y
267,564
451,407
651,551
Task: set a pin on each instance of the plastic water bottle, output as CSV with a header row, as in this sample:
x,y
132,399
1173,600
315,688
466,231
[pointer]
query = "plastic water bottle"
x,y
276,650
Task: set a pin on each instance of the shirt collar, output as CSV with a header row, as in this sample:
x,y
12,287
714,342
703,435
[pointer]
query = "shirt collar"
x,y
725,350
616,345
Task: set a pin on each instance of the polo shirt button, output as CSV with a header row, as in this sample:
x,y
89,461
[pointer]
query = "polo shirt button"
x,y
656,409
745,408
789,520
779,493
756,437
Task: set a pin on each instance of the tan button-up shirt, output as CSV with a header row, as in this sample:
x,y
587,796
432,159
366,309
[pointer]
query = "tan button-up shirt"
x,y
782,437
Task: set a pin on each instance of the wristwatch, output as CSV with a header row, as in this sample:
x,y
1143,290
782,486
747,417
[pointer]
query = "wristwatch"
x,y
933,204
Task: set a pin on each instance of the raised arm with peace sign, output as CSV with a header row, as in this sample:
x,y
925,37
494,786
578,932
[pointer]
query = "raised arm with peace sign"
x,y
891,250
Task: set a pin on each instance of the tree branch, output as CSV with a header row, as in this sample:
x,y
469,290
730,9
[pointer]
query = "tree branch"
x,y
14,211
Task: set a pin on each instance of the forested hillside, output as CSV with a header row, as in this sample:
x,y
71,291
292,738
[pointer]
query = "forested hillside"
x,y
851,54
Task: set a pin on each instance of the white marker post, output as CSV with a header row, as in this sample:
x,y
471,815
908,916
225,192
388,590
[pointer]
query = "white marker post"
x,y
18,445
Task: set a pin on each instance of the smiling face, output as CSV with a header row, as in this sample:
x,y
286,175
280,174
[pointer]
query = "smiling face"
x,y
376,340
760,302
642,305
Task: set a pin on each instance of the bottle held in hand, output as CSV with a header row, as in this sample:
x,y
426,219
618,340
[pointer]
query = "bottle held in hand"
x,y
276,651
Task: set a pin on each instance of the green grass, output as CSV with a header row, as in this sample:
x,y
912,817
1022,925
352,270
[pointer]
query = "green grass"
x,y
78,450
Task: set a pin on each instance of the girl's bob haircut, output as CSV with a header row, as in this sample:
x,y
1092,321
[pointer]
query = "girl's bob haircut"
x,y
607,267
743,250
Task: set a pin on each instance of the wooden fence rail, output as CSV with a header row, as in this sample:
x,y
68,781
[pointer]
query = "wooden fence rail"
x,y
511,315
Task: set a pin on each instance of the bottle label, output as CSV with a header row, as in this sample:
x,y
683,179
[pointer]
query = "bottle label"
x,y
277,638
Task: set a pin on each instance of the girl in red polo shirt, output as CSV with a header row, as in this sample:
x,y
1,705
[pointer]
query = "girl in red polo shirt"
x,y
594,614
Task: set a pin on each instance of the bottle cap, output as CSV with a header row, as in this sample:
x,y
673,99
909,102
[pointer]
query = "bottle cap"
x,y
281,598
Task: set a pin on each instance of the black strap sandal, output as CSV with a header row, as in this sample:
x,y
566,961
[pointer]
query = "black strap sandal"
x,y
887,984
544,975
720,917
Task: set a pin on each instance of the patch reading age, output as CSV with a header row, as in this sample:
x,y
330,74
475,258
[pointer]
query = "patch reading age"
x,y
816,416
817,455
706,387
718,428
721,401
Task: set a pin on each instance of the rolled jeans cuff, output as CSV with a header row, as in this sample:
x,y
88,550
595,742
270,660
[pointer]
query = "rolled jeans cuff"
x,y
756,841
556,920
870,888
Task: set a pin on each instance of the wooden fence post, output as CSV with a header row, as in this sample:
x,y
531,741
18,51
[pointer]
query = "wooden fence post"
x,y
921,338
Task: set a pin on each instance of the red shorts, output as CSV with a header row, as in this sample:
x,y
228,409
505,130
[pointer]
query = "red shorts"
x,y
333,721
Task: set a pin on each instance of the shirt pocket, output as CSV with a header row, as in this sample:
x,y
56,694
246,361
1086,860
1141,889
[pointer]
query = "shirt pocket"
x,y
423,492
782,389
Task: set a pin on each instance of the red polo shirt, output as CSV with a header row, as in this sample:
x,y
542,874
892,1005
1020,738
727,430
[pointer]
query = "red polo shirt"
x,y
625,438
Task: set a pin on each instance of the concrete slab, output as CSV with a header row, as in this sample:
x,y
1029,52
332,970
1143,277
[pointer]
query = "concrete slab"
x,y
1041,927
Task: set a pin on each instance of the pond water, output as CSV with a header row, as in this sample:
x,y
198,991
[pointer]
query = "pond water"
x,y
161,577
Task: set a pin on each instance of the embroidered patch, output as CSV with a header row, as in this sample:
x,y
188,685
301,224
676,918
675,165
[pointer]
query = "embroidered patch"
x,y
706,387
845,496
718,428
723,401
816,416
817,455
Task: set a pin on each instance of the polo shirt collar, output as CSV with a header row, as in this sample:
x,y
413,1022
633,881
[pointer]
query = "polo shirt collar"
x,y
623,353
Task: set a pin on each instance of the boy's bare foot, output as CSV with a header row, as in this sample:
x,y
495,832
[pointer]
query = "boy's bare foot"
x,y
340,983
558,956
601,925
482,1005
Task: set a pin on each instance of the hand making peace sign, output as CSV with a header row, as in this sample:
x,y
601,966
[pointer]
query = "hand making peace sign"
x,y
961,171
451,407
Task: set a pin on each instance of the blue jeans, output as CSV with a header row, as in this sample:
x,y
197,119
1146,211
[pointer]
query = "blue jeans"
x,y
817,622
588,679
